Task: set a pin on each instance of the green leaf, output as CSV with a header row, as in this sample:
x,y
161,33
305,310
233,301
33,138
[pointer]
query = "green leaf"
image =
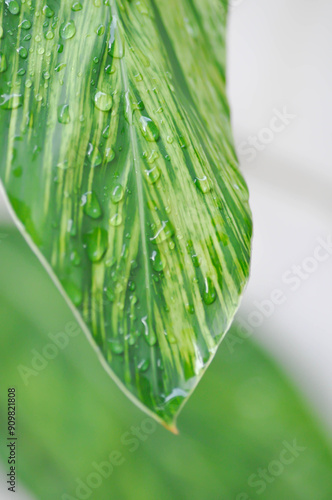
x,y
118,162
70,418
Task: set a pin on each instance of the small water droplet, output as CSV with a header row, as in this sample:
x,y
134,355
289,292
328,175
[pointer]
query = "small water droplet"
x,y
94,155
103,101
149,129
67,30
76,7
209,292
109,154
25,24
203,184
11,101
75,258
143,365
149,334
73,292
116,346
158,262
22,52
100,30
63,114
117,193
153,174
91,205
49,35
3,62
96,242
47,11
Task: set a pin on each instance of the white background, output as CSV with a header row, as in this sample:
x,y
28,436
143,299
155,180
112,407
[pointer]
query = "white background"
x,y
279,55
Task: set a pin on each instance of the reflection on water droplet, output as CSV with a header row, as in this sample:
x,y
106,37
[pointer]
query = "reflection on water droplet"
x,y
117,193
22,52
94,155
91,205
3,62
116,46
109,154
209,292
25,24
67,30
63,114
100,30
158,261
116,220
149,334
103,101
149,129
143,365
164,232
96,242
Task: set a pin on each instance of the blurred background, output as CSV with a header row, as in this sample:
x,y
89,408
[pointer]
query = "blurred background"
x,y
267,395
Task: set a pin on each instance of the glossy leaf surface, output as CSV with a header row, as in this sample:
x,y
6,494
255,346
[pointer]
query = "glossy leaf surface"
x,y
117,158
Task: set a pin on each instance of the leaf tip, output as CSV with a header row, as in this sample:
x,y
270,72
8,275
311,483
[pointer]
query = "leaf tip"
x,y
172,428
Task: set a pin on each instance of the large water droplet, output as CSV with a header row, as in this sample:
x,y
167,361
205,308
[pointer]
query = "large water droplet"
x,y
76,7
117,193
116,220
67,30
91,205
63,114
47,11
209,292
103,101
149,129
116,46
13,6
96,242
3,62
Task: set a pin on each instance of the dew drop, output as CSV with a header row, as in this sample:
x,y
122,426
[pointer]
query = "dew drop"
x,y
11,101
91,205
22,52
75,258
76,7
149,129
13,6
47,11
116,346
49,35
103,101
209,293
149,334
94,155
164,232
143,365
153,174
96,242
67,30
100,30
203,184
109,154
158,262
116,220
25,24
63,114
117,193
3,62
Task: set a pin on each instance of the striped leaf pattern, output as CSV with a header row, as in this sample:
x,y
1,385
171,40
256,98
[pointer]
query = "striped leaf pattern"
x,y
118,162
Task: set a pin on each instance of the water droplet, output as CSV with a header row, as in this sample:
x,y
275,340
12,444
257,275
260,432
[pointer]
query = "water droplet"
x,y
138,77
96,242
75,258
209,293
158,262
59,67
117,193
100,30
106,132
103,101
73,292
116,346
149,334
46,75
25,24
91,205
47,11
153,174
11,101
49,35
196,260
76,7
67,30
109,154
143,365
22,52
13,6
149,129
183,142
116,46
94,155
203,184
63,114
3,62
164,232
116,220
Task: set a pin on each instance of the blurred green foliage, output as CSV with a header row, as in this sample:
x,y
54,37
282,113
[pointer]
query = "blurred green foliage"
x,y
71,416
